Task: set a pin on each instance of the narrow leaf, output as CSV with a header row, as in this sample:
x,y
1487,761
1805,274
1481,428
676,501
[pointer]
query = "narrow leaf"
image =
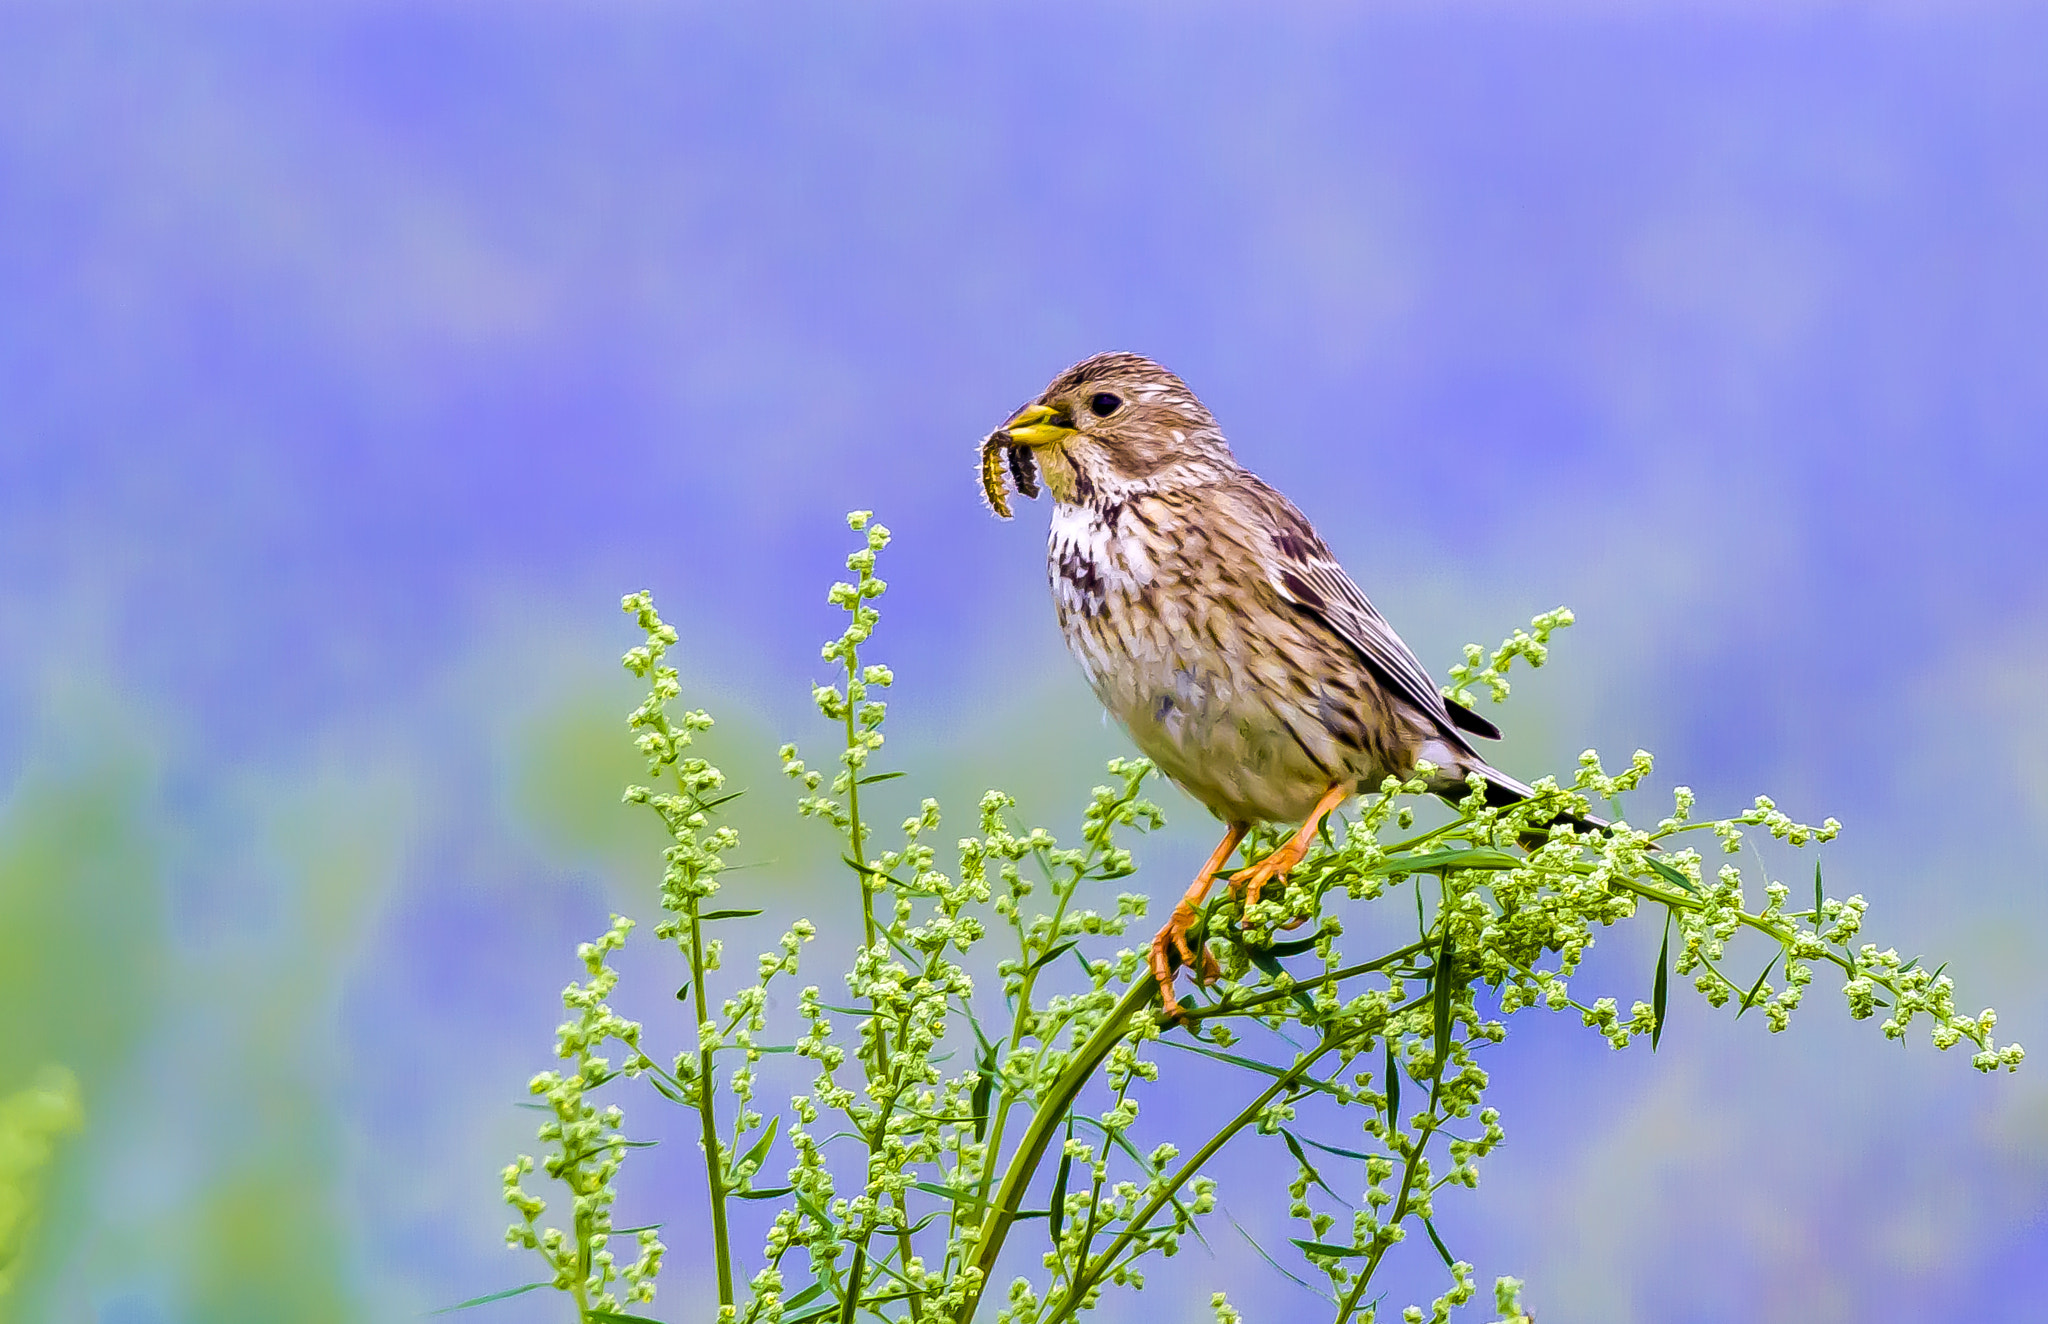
x,y
1295,946
804,1297
725,914
1820,900
1332,1149
1054,953
811,1207
1671,876
758,1153
1438,1242
770,1193
848,1011
1393,1087
819,1311
1661,987
947,1193
882,777
1056,1208
1749,998
1294,1148
984,1089
1477,857
486,1300
1250,1064
1334,1252
1273,970
1270,1260
683,993
1440,991
614,1317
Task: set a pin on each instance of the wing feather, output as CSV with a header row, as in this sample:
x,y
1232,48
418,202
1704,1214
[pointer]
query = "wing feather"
x,y
1301,567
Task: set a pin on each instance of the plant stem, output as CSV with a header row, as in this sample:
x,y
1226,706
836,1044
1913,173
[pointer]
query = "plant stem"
x,y
1102,1263
1052,1110
1027,981
1228,1007
706,1114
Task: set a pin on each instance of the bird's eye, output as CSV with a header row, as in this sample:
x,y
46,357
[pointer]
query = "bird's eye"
x,y
1104,404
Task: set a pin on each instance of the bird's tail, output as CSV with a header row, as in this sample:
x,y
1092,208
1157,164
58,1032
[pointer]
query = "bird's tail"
x,y
1503,790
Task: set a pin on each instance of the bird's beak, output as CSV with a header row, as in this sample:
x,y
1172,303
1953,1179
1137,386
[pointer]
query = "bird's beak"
x,y
1039,425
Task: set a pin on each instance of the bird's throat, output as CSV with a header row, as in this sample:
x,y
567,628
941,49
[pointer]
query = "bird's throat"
x,y
1063,478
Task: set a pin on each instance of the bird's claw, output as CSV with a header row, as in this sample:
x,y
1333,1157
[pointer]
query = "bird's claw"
x,y
1170,950
1248,884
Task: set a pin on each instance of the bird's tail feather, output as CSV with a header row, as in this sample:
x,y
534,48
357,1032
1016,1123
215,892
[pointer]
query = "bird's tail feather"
x,y
1503,790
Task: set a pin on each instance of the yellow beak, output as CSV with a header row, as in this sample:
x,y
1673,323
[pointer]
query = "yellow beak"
x,y
1039,425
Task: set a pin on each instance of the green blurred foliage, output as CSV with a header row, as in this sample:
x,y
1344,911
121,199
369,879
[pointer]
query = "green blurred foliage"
x,y
81,958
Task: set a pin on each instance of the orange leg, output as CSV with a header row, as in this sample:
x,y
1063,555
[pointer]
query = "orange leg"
x,y
1275,867
1170,948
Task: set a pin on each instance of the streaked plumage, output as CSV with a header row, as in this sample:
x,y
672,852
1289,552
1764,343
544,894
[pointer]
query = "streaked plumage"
x,y
1214,623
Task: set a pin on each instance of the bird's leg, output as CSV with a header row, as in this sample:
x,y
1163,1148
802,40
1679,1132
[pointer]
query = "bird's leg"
x,y
1247,884
1170,948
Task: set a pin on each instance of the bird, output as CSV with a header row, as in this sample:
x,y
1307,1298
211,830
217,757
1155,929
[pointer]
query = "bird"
x,y
1217,627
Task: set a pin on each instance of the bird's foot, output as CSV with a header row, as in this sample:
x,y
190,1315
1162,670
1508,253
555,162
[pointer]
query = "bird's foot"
x,y
1171,949
1247,884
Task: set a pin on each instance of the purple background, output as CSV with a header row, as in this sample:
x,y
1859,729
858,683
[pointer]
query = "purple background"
x,y
355,358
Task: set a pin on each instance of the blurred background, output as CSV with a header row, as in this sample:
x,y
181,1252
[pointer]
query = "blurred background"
x,y
355,358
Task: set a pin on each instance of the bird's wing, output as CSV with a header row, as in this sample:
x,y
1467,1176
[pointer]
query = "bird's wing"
x,y
1301,567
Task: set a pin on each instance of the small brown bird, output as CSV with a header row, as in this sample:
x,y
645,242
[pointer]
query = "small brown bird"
x,y
1215,624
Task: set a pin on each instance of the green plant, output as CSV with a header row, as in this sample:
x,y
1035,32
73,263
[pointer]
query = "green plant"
x,y
945,1107
31,1122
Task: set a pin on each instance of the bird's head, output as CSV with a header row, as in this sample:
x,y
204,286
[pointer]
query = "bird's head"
x,y
1105,426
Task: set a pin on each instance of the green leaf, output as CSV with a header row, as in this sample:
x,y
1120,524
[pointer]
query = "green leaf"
x,y
726,914
1438,1242
636,1231
1294,1148
1052,954
804,1297
1332,1149
1252,1064
1056,1208
848,1011
819,1311
1295,946
1270,1260
1440,995
817,1212
947,1193
758,1153
1820,900
683,993
1473,857
984,1088
771,1193
1749,998
881,777
1334,1252
1671,876
614,1317
1393,1087
486,1300
1662,986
